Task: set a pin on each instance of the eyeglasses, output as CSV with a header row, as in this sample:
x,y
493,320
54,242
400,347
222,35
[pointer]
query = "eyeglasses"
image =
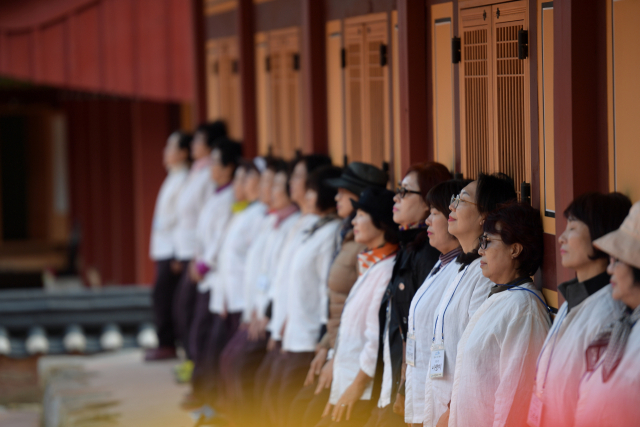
x,y
401,191
484,241
455,201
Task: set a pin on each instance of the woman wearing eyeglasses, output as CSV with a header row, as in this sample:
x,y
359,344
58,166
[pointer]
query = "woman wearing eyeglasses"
x,y
496,358
425,301
465,293
610,390
414,261
588,306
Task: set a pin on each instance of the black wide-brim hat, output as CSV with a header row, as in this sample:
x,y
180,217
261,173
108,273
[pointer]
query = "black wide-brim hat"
x,y
377,202
358,176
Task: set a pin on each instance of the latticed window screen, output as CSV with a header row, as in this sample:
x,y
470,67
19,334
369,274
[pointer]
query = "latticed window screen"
x,y
495,133
285,92
367,99
223,84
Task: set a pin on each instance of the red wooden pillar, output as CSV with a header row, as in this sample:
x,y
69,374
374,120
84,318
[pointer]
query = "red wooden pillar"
x,y
415,139
246,45
314,78
580,106
200,80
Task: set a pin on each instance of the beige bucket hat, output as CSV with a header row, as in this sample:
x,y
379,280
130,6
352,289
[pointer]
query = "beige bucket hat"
x,y
624,243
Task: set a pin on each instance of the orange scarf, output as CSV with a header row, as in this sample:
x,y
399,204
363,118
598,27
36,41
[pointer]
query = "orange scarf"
x,y
368,258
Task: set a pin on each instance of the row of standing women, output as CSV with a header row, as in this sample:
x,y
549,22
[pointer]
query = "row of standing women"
x,y
381,309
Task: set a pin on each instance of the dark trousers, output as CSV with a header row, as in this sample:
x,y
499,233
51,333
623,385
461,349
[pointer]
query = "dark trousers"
x,y
239,363
261,390
164,293
285,381
384,417
183,307
307,407
198,340
222,330
360,415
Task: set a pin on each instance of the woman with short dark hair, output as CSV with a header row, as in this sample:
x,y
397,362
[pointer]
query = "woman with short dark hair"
x,y
496,358
465,293
610,390
588,305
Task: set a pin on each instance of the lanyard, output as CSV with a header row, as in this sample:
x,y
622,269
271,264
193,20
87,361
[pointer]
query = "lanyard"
x,y
554,335
430,279
519,288
447,306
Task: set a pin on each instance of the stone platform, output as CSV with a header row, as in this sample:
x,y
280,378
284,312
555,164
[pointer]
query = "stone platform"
x,y
110,389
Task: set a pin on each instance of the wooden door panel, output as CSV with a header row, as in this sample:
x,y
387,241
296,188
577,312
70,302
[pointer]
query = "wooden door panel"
x,y
475,91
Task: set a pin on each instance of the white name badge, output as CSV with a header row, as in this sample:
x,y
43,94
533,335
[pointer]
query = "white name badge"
x,y
535,411
436,368
411,350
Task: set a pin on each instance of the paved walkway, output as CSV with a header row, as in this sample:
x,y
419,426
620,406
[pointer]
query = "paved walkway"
x,y
126,392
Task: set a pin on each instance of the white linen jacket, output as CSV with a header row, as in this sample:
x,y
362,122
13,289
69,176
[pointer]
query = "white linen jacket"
x,y
359,332
308,293
165,215
467,291
197,189
572,333
615,403
280,287
242,229
496,360
421,314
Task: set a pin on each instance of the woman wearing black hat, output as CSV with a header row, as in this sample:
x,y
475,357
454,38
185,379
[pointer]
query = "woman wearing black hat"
x,y
357,344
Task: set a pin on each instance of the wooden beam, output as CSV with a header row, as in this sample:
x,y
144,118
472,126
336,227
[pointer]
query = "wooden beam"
x,y
246,47
314,78
415,139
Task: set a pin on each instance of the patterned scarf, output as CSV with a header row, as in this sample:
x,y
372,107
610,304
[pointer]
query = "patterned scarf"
x,y
368,258
413,226
611,342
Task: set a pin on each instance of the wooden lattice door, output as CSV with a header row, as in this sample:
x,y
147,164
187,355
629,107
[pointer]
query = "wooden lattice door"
x,y
223,84
495,131
284,64
366,86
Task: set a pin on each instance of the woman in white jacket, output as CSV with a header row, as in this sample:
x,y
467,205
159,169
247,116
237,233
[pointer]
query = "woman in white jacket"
x,y
465,293
587,308
162,248
357,342
425,301
610,389
497,353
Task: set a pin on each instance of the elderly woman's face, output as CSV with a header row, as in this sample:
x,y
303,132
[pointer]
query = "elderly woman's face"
x,y
498,261
465,219
365,232
438,232
575,245
623,287
411,208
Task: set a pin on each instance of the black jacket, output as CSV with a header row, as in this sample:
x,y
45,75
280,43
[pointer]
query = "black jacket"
x,y
414,261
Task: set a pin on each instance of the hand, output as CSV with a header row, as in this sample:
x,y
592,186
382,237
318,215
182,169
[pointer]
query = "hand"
x,y
398,406
349,398
271,345
327,410
316,365
326,377
194,274
175,266
444,419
